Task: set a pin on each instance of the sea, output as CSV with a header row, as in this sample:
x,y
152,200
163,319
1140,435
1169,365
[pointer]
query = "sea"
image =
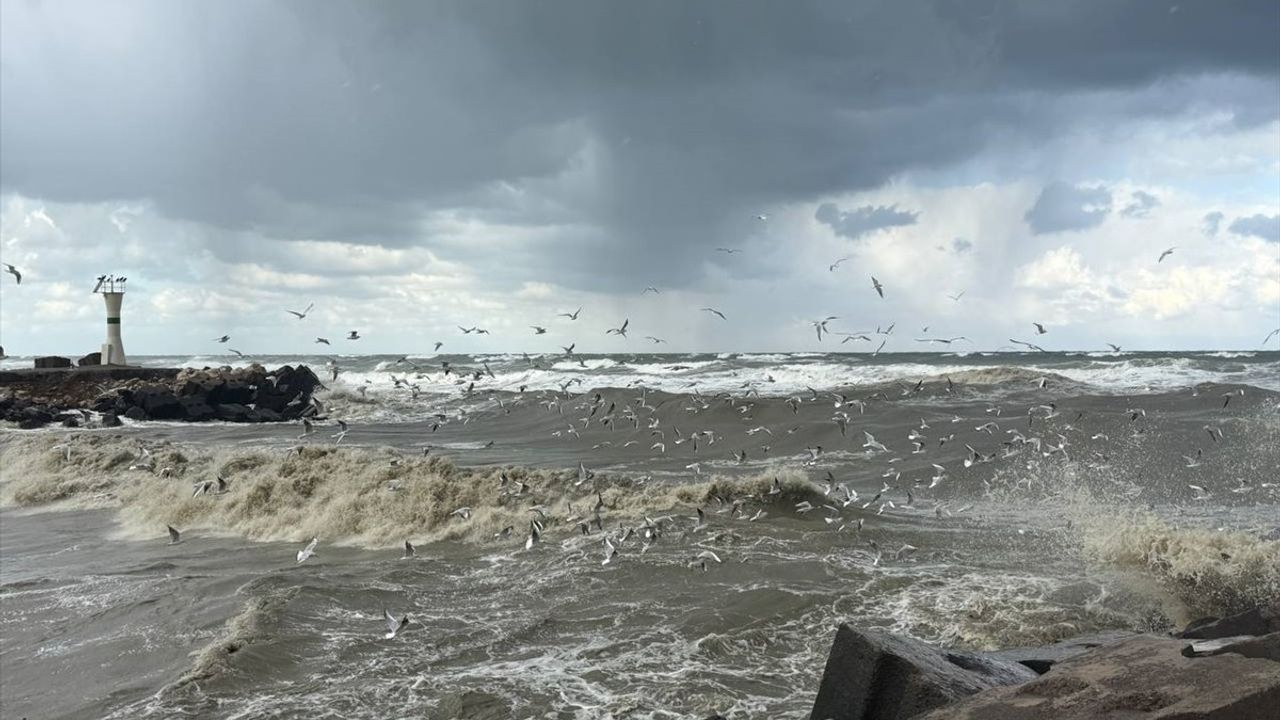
x,y
703,525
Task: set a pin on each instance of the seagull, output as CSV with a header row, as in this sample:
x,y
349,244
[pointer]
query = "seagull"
x,y
715,311
535,535
879,288
619,330
650,289
307,551
322,341
393,625
175,537
1270,335
832,267
303,314
572,316
353,335
462,512
437,347
728,251
610,552
14,272
538,330
568,349
655,340
1114,347
237,352
1027,344
821,325
1166,254
1039,328
945,341
222,339
957,296
762,218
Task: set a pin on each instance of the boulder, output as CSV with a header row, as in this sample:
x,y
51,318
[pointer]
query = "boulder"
x,y
161,404
93,358
34,416
52,361
880,676
1142,677
136,413
1250,622
232,412
110,419
195,409
1044,657
233,391
1267,646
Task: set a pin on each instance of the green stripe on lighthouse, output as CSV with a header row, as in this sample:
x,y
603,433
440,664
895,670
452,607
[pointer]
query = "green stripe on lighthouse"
x,y
113,321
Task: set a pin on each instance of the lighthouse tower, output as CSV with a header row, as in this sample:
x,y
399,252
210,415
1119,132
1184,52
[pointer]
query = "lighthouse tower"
x,y
112,290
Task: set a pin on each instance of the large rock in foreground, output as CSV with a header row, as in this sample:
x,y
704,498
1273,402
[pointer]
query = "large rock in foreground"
x,y
874,675
1144,677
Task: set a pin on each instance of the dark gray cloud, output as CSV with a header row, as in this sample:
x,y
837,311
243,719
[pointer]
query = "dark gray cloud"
x,y
863,220
1262,226
1062,207
1140,205
648,131
1211,222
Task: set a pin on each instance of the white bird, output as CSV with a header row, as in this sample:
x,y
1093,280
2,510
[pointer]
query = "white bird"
x,y
538,330
650,289
708,555
462,512
1166,254
957,296
832,267
535,534
307,551
728,251
393,625
353,335
879,288
715,311
572,316
14,272
175,537
762,218
1270,335
610,552
322,341
1039,328
622,331
303,314
821,325
222,339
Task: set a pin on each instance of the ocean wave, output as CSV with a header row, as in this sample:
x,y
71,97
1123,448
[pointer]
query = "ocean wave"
x,y
366,497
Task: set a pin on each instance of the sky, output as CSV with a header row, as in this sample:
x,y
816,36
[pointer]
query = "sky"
x,y
410,168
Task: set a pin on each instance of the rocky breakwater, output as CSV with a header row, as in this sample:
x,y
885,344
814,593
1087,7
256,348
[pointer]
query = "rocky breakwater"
x,y
100,397
1219,668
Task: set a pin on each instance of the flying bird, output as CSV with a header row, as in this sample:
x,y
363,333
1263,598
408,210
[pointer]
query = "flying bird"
x,y
650,289
832,267
572,316
654,340
728,251
393,625
1166,254
175,537
408,550
1039,328
762,217
715,311
538,330
957,296
307,551
1114,347
303,314
353,335
322,341
1027,344
879,288
222,339
14,272
821,325
437,347
1270,335
237,352
619,330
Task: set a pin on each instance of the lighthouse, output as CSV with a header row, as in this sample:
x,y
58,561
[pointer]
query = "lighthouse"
x,y
112,290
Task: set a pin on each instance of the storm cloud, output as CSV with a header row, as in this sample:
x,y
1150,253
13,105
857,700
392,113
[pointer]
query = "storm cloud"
x,y
864,220
1262,226
1061,207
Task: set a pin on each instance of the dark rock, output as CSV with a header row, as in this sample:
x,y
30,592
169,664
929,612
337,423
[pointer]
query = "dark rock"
x,y
93,358
1044,657
1142,677
69,421
34,416
161,404
232,392
1267,646
195,409
1249,622
232,412
879,676
110,419
136,413
266,415
52,361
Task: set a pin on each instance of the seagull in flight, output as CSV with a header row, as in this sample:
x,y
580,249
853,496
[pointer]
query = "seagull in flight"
x,y
728,251
762,217
307,551
650,289
1270,335
538,330
237,352
175,537
1114,347
1039,328
879,288
821,325
222,339
715,311
655,340
1027,344
619,330
957,296
303,314
408,550
353,335
14,272
393,625
437,347
572,316
944,341
832,267
322,341
1166,254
